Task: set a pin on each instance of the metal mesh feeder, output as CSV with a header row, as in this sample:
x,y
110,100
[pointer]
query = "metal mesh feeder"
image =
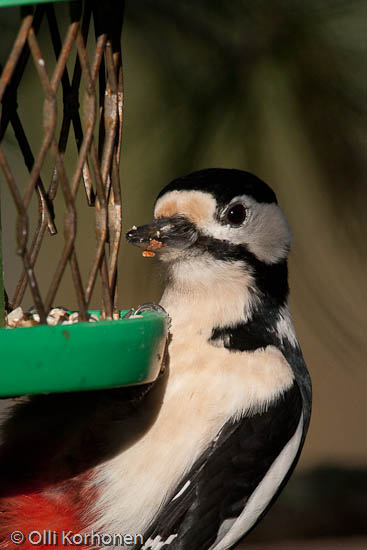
x,y
59,175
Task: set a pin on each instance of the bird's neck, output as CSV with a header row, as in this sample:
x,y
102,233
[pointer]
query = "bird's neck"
x,y
208,295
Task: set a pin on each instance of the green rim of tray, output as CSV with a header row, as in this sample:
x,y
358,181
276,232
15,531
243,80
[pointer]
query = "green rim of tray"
x,y
82,356
10,3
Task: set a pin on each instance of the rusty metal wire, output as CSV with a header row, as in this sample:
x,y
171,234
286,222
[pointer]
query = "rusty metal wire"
x,y
99,76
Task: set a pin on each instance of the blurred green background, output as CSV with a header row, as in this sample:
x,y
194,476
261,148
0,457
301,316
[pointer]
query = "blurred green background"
x,y
277,88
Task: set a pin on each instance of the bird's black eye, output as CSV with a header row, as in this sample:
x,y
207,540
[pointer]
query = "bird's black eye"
x,y
236,214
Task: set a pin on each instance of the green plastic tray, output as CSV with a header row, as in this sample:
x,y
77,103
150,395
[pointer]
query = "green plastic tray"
x,y
7,3
82,356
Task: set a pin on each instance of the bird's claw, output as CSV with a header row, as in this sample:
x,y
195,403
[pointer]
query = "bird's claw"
x,y
149,306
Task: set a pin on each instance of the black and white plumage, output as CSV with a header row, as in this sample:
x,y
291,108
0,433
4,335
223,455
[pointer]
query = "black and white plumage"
x,y
237,400
193,461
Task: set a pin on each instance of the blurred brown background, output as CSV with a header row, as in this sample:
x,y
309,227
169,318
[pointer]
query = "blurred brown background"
x,y
278,89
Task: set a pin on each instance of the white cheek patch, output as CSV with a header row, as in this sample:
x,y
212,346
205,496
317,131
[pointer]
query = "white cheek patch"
x,y
271,234
265,231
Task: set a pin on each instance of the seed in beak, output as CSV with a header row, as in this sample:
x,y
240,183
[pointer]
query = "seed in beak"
x,y
153,245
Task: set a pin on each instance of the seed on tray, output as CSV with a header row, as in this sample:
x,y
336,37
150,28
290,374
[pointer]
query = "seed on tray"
x,y
15,317
73,317
56,316
93,318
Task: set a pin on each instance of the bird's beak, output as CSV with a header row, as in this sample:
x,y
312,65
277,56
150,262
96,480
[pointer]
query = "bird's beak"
x,y
175,232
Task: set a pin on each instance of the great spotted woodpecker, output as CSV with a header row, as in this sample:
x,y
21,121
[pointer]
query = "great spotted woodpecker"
x,y
195,460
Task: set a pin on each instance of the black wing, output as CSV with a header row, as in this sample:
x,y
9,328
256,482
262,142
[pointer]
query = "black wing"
x,y
219,485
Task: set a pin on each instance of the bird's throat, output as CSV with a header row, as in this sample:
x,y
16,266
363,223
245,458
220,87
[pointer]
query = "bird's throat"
x,y
206,296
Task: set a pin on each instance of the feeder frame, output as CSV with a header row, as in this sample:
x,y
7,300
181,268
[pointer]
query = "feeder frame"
x,y
97,166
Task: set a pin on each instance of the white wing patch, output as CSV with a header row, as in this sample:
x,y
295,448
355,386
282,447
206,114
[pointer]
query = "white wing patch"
x,y
182,490
157,542
262,495
284,327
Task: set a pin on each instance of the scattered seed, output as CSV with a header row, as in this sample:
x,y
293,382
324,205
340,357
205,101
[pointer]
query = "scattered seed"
x,y
56,316
74,317
93,318
15,316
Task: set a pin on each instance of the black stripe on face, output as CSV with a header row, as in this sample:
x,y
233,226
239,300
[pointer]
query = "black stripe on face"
x,y
223,184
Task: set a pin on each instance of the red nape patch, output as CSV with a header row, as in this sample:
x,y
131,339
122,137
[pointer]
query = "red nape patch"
x,y
46,520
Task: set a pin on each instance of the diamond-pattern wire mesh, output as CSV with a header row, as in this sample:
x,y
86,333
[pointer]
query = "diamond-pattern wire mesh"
x,y
97,168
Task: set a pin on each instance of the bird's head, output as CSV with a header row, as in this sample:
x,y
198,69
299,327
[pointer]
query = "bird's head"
x,y
213,220
222,213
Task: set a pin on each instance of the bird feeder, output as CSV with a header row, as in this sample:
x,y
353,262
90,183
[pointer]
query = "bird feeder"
x,y
56,170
